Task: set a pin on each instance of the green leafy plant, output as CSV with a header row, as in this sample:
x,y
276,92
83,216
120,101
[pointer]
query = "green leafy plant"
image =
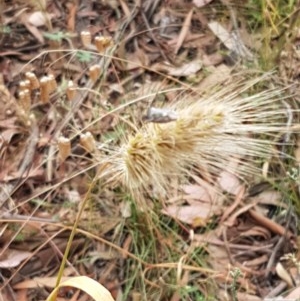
x,y
235,274
4,29
84,56
57,36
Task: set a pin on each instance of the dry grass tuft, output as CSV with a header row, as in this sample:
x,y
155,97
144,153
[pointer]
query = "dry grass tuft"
x,y
207,134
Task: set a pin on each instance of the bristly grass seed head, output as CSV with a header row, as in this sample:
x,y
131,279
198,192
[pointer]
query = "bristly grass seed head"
x,y
206,134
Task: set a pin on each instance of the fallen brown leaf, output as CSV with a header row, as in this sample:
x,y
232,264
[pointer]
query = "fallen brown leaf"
x,y
284,275
197,192
12,258
38,18
230,183
201,3
217,76
196,215
184,30
187,69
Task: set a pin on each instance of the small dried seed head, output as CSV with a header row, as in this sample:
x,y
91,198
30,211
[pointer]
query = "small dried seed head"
x,y
87,141
23,117
102,43
64,148
52,83
45,89
24,84
94,72
25,100
34,82
86,38
71,90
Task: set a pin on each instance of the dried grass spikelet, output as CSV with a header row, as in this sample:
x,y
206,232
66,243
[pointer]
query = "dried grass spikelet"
x,y
45,89
48,85
34,82
94,72
64,148
24,84
206,134
102,43
25,100
52,83
86,38
88,142
71,90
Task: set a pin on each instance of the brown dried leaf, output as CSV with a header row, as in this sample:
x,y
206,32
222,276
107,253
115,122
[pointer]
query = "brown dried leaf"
x,y
218,258
212,191
187,69
233,42
197,192
196,215
224,36
184,30
33,21
136,60
217,76
38,18
283,274
230,183
13,258
269,197
201,3
35,32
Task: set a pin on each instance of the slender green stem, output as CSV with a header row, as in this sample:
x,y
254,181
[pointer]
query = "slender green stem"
x,y
74,229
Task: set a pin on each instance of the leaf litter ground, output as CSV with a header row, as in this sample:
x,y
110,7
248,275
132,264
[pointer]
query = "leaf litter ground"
x,y
210,237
